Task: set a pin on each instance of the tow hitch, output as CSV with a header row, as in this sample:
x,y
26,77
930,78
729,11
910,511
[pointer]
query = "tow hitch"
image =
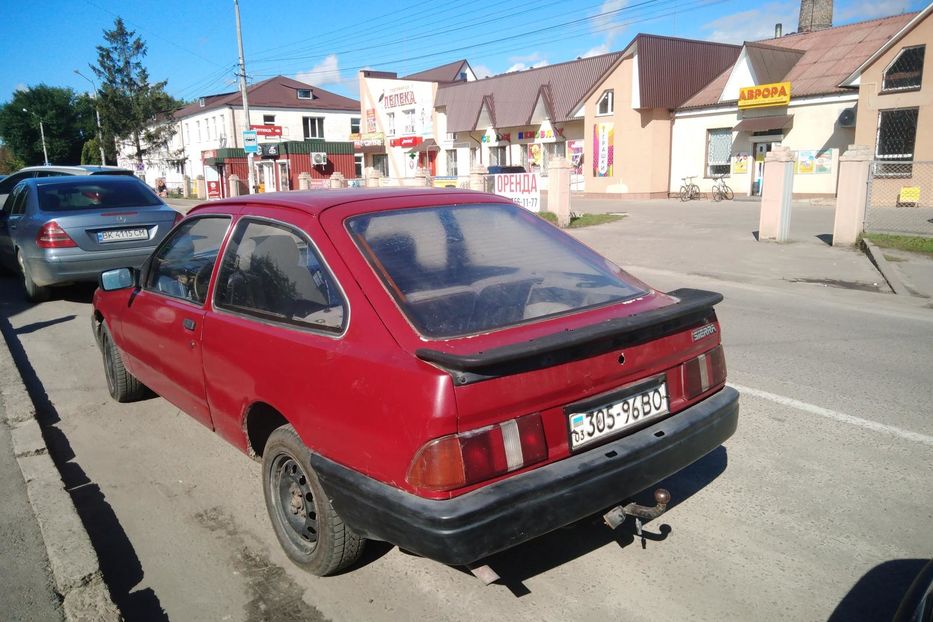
x,y
616,516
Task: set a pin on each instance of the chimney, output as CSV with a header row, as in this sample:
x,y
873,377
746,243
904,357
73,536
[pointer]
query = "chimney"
x,y
815,15
778,30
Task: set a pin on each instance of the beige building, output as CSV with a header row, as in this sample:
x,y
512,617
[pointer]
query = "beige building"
x,y
788,90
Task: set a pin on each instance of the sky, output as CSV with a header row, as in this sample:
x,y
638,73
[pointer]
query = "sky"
x,y
192,44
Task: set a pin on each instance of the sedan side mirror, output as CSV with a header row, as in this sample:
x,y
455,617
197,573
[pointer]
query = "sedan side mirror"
x,y
121,278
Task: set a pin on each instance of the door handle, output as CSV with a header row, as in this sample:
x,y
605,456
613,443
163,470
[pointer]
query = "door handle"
x,y
188,323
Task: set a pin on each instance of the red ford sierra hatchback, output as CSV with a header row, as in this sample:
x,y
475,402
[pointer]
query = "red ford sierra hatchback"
x,y
438,369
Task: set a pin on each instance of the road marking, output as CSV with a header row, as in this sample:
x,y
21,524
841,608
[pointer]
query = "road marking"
x,y
835,415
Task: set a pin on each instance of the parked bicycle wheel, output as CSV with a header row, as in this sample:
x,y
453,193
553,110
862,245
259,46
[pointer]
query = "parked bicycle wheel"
x,y
727,193
694,191
717,194
684,193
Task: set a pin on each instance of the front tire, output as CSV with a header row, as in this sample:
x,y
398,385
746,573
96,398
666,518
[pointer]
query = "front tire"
x,y
309,529
684,194
727,193
122,385
34,293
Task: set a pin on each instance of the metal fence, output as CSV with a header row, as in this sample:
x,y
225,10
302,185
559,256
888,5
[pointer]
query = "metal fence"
x,y
900,198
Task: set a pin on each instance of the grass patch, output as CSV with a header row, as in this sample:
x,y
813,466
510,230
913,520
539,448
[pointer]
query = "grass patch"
x,y
583,220
893,258
914,244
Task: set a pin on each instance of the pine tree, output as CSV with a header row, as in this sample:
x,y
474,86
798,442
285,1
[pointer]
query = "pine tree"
x,y
131,108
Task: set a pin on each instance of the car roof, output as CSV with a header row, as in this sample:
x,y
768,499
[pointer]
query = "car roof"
x,y
72,179
80,169
316,201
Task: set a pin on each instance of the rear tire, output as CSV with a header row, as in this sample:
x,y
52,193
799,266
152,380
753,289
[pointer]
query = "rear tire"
x,y
34,293
684,193
727,193
717,194
309,529
122,385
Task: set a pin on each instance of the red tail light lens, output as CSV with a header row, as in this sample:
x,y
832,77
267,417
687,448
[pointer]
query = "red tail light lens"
x,y
51,235
705,371
462,459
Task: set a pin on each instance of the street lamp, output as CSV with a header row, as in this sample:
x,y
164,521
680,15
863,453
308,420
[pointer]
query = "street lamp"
x,y
42,133
100,134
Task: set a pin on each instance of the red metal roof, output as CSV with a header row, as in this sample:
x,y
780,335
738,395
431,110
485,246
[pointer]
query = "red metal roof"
x,y
277,92
445,73
671,69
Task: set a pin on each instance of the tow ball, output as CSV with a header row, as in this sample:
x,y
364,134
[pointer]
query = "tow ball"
x,y
616,516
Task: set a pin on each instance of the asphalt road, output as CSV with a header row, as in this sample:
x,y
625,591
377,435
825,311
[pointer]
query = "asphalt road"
x,y
820,507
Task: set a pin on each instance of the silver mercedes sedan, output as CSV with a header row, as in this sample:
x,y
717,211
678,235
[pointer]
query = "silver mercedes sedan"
x,y
59,230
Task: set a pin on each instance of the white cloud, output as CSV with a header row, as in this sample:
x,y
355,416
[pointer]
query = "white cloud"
x,y
20,87
325,72
523,66
528,58
481,71
607,24
871,9
596,51
753,25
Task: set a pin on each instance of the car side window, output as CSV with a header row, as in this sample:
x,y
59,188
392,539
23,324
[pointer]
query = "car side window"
x,y
274,272
17,201
7,184
181,267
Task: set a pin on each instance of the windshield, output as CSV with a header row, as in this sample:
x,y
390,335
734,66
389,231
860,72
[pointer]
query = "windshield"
x,y
457,270
99,193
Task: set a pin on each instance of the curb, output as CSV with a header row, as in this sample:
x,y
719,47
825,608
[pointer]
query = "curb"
x,y
886,270
75,568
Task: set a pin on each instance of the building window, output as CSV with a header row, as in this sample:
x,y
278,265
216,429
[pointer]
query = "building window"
x,y
197,124
354,125
381,163
304,93
188,133
452,162
718,151
606,104
390,124
897,133
268,119
358,165
906,71
497,156
313,127
409,121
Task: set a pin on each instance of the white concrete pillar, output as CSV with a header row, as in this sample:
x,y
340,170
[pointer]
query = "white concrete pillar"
x,y
778,180
234,186
477,178
200,187
337,181
186,187
372,178
558,190
304,181
852,197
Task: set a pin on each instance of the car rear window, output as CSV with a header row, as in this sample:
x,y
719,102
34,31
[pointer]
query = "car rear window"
x,y
99,193
456,270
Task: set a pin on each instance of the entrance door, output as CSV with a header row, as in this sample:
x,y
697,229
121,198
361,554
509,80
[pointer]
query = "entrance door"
x,y
265,176
761,151
283,176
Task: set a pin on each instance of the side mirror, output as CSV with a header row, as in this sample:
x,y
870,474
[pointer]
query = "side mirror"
x,y
121,278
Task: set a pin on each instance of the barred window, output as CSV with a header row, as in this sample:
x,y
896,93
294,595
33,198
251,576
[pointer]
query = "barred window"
x,y
897,133
718,150
906,72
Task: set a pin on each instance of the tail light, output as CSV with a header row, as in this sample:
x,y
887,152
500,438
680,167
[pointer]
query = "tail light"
x,y
459,460
51,235
705,371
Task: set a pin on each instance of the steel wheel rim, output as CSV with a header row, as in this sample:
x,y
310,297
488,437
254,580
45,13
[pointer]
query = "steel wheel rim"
x,y
293,501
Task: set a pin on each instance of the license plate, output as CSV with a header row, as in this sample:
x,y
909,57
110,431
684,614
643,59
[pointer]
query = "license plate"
x,y
122,235
610,419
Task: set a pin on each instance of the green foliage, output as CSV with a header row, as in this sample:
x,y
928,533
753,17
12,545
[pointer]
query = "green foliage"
x,y
584,220
65,126
90,152
914,244
131,108
9,163
551,217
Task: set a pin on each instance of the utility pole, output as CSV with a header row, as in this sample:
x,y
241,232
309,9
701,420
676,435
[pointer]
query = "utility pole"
x,y
100,133
239,40
45,154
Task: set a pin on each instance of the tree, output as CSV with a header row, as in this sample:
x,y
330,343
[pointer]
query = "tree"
x,y
65,127
131,108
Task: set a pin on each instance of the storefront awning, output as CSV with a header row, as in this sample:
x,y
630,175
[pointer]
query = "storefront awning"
x,y
429,144
371,149
762,124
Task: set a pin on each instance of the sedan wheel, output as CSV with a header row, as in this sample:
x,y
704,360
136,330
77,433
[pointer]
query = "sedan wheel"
x,y
34,293
309,529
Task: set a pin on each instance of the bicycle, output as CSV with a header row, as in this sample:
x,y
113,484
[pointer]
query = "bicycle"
x,y
689,190
721,190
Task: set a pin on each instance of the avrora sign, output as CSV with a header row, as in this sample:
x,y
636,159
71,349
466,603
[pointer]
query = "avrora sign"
x,y
764,95
521,188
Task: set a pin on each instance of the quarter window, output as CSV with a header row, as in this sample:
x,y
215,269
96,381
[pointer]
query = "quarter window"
x,y
182,266
304,93
718,150
313,127
906,72
273,272
606,104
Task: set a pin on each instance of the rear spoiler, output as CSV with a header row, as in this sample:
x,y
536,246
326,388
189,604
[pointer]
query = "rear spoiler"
x,y
692,306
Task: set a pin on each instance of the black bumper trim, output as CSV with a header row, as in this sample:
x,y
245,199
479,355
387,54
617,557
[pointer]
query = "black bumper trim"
x,y
501,515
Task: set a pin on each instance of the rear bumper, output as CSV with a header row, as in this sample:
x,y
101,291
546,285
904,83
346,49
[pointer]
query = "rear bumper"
x,y
501,515
82,265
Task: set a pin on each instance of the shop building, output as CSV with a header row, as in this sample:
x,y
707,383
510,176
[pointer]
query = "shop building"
x,y
285,113
789,90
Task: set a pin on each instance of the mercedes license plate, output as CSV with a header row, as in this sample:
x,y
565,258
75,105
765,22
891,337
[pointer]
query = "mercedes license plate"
x,y
610,419
122,235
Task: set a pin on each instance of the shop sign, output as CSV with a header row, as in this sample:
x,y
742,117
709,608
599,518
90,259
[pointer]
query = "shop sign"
x,y
814,162
406,141
213,190
269,150
764,96
267,130
603,149
370,120
398,99
522,188
740,163
250,141
373,139
575,155
493,138
547,134
207,155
